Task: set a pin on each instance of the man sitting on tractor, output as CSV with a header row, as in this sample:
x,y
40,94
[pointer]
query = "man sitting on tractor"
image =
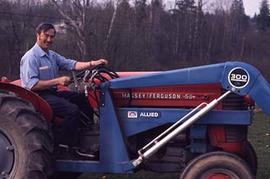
x,y
39,72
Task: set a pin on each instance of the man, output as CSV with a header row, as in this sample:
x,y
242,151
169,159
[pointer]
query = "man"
x,y
39,70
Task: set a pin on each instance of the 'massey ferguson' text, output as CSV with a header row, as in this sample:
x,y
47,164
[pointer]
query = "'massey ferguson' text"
x,y
151,95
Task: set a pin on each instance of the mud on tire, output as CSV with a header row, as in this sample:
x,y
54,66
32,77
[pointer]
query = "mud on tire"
x,y
25,141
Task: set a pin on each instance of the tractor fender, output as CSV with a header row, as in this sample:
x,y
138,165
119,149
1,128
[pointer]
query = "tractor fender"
x,y
40,104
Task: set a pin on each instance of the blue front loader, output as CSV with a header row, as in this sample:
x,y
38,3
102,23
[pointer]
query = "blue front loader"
x,y
117,125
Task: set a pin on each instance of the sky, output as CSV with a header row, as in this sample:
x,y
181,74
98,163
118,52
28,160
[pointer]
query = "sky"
x,y
252,6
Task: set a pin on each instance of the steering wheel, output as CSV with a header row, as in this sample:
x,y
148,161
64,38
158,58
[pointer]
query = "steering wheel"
x,y
92,77
101,73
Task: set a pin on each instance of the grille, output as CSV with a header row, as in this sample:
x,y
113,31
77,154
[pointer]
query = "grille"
x,y
234,102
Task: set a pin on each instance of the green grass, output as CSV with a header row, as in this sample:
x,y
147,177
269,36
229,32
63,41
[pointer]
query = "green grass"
x,y
259,136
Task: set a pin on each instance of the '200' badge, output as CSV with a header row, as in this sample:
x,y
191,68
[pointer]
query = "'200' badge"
x,y
238,77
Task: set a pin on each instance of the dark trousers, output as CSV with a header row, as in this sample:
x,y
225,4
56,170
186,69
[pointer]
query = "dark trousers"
x,y
67,105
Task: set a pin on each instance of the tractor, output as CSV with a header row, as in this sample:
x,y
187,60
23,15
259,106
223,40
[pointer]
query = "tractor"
x,y
193,121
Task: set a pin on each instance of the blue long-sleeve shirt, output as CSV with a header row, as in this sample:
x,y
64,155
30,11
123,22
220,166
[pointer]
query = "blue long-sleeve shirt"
x,y
37,65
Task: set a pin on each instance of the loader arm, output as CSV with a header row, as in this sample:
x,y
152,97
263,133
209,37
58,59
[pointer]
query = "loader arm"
x,y
238,77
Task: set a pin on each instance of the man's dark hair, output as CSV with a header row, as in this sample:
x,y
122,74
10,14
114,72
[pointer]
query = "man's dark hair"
x,y
43,27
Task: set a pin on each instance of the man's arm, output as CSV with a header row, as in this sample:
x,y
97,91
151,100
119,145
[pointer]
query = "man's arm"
x,y
69,64
65,80
46,84
90,64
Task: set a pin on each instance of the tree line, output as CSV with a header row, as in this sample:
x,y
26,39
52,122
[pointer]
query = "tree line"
x,y
138,35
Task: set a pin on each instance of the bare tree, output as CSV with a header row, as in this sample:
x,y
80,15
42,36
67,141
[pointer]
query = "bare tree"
x,y
74,12
106,42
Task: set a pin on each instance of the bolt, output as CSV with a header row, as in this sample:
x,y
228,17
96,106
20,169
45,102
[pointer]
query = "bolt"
x,y
4,174
10,148
234,90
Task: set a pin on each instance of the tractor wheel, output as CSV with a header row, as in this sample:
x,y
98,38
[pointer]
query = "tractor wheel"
x,y
25,141
217,165
251,158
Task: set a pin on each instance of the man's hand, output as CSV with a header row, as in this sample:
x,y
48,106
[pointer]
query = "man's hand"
x,y
46,84
98,62
63,80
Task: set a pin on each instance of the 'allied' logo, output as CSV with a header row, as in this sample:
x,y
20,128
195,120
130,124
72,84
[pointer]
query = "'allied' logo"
x,y
135,114
149,114
132,114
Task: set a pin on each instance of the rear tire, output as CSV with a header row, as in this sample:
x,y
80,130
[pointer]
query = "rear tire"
x,y
25,141
217,164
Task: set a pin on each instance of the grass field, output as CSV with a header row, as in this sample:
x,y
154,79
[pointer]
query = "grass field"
x,y
259,135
